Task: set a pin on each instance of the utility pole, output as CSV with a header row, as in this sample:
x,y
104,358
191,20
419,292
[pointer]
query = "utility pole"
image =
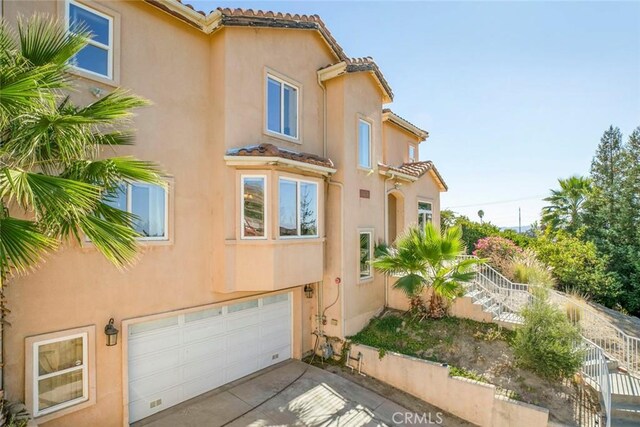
x,y
519,221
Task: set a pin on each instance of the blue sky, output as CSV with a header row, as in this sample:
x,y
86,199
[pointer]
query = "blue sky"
x,y
514,94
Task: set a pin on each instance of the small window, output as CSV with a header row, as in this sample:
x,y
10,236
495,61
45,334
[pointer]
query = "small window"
x,y
366,254
364,144
282,107
425,214
298,208
60,373
97,56
253,207
149,203
412,153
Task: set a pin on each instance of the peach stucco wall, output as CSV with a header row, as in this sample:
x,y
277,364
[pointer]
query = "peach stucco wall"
x,y
470,400
208,96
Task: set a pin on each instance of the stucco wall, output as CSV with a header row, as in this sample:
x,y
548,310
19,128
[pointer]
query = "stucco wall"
x,y
470,400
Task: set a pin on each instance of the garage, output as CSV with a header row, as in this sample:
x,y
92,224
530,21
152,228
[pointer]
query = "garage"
x,y
173,359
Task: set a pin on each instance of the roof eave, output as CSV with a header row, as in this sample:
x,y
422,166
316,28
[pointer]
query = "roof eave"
x,y
403,124
277,161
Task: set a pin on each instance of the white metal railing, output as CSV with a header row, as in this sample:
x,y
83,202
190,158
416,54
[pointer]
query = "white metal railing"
x,y
595,368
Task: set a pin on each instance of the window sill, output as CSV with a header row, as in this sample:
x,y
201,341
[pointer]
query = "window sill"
x,y
365,169
94,77
282,137
64,411
88,246
365,280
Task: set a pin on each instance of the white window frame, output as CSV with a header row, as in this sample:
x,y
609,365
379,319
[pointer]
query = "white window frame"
x,y
108,48
298,223
420,213
166,210
413,158
266,208
370,127
266,109
368,231
84,367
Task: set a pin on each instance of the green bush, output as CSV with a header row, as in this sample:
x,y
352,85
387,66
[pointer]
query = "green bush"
x,y
499,251
546,342
473,231
526,268
578,267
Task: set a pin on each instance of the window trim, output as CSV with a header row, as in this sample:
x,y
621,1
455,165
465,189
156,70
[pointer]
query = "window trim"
x,y
166,211
266,207
297,87
298,181
415,153
430,202
369,123
369,231
32,344
109,48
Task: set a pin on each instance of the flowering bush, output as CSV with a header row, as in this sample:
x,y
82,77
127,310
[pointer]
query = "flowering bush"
x,y
499,251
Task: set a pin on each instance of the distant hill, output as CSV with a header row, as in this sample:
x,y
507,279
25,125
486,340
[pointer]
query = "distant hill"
x,y
525,228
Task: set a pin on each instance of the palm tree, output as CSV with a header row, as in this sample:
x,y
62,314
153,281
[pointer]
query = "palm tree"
x,y
54,175
481,215
565,208
427,259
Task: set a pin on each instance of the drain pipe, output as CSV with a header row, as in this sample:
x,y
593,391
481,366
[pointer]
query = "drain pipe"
x,y
341,187
386,235
324,116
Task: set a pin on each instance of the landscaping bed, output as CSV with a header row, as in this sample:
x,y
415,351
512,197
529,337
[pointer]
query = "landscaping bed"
x,y
482,352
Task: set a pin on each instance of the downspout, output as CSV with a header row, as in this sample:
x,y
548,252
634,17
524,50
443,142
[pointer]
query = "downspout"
x,y
319,308
342,250
386,235
324,116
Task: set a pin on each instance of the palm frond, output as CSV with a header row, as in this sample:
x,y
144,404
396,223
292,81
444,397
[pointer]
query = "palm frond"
x,y
410,284
22,245
116,242
46,41
112,107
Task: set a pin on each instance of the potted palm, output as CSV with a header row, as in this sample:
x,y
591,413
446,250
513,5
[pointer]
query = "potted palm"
x,y
424,259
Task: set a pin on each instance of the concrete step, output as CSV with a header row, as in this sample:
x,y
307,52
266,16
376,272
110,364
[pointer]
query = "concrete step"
x,y
474,294
509,318
625,411
494,309
612,365
484,301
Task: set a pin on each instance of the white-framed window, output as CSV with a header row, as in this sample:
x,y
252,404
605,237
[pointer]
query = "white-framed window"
x,y
366,254
364,144
425,213
149,203
254,208
298,208
60,373
282,107
413,157
97,57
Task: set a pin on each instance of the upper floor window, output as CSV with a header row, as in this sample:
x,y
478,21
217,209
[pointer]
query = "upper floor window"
x,y
253,207
366,254
60,373
298,208
149,203
97,56
425,214
364,144
282,107
412,153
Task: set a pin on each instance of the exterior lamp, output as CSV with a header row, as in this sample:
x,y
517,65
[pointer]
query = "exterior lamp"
x,y
112,333
308,291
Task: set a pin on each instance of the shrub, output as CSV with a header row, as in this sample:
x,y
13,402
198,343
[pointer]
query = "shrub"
x,y
13,414
473,231
578,267
499,251
526,268
547,341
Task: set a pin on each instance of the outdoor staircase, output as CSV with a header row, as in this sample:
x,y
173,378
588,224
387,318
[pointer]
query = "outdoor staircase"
x,y
612,362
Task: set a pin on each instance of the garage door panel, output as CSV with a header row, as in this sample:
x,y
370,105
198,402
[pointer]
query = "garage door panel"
x,y
149,385
155,363
172,360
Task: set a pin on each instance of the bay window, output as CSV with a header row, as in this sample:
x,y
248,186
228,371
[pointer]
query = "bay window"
x,y
253,207
298,208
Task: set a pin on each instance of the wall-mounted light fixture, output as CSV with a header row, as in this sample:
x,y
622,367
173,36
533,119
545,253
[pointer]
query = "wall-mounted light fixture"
x,y
112,333
308,291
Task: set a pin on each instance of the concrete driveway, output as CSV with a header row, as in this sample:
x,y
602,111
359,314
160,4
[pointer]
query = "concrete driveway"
x,y
289,394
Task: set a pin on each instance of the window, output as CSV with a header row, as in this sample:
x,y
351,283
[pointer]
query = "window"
x,y
253,207
298,208
97,56
149,203
366,254
364,144
412,153
425,214
60,373
282,107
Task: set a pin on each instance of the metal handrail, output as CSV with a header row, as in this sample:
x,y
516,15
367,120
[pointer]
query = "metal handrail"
x,y
596,369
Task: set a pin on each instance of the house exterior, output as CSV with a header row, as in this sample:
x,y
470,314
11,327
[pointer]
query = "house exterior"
x,y
284,170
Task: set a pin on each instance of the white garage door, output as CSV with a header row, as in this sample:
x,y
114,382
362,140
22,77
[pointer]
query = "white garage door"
x,y
174,359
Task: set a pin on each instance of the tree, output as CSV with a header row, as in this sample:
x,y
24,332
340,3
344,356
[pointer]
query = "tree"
x,y
565,209
54,178
447,219
427,259
481,215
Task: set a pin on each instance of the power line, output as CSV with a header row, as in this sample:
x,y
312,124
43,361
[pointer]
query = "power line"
x,y
497,202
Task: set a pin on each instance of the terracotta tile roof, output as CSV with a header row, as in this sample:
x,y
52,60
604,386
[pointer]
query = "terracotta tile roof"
x,y
190,6
368,64
416,170
270,150
387,114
